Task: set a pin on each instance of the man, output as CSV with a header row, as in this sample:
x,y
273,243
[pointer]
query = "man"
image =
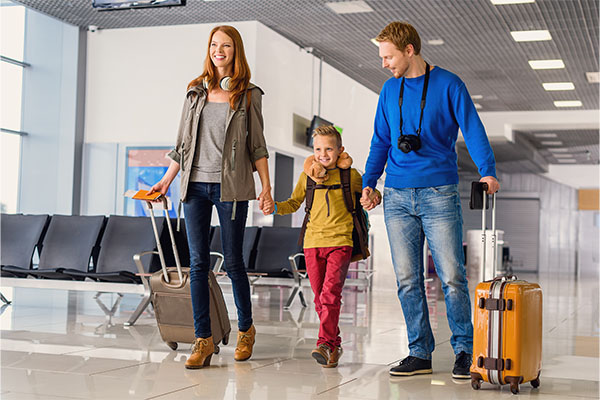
x,y
418,116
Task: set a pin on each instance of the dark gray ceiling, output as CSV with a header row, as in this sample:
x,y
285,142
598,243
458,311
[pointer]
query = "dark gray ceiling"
x,y
476,34
477,46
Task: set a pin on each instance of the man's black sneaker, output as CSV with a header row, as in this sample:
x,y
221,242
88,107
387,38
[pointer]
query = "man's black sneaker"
x,y
462,366
412,366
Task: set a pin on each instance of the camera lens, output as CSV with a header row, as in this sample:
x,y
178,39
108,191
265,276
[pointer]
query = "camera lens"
x,y
404,146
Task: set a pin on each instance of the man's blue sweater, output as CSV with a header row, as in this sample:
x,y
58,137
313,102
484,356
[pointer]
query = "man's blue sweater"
x,y
448,107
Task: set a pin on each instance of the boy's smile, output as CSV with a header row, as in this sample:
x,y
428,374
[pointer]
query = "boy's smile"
x,y
326,150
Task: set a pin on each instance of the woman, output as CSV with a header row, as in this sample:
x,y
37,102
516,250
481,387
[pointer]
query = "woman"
x,y
220,143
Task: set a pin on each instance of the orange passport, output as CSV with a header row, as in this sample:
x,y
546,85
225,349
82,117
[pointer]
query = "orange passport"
x,y
143,195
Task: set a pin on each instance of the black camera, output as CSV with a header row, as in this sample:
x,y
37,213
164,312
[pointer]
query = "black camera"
x,y
408,143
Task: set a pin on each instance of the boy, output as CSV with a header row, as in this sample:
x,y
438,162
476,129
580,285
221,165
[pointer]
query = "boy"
x,y
328,236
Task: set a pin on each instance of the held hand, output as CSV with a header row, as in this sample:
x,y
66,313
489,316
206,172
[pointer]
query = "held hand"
x,y
493,185
370,199
265,201
268,210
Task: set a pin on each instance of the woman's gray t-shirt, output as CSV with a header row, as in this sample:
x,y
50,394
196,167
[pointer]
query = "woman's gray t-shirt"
x,y
209,146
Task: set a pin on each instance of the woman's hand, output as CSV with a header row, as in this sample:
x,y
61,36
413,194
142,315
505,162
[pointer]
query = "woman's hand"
x,y
265,201
161,186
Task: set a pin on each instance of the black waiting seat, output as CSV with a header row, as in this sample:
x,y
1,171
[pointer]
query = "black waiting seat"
x,y
275,246
279,258
20,234
251,234
124,237
70,243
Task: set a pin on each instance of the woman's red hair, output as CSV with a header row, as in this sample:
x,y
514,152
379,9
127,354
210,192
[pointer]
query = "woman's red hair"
x,y
241,71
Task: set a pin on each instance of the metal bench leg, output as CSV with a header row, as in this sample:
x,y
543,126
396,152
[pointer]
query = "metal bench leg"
x,y
302,300
297,290
290,299
4,299
109,313
139,310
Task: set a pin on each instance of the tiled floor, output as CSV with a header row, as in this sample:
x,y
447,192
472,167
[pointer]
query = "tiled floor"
x,y
58,345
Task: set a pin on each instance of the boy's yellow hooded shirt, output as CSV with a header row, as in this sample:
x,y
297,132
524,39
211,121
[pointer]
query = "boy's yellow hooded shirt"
x,y
325,229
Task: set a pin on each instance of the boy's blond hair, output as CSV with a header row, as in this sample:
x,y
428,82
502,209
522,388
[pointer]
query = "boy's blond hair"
x,y
329,130
401,34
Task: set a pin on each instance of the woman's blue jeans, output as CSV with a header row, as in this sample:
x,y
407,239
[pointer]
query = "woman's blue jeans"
x,y
198,211
435,213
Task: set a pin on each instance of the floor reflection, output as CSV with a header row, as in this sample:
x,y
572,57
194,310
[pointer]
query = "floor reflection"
x,y
57,344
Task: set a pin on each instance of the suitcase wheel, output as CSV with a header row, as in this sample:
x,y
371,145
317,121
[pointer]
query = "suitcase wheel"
x,y
225,340
476,384
536,382
514,388
217,349
172,345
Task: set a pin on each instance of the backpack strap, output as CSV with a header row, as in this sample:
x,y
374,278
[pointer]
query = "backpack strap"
x,y
352,209
347,191
308,200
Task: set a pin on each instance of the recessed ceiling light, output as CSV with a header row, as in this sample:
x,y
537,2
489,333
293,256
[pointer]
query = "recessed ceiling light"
x,y
435,42
562,155
503,2
558,150
375,42
477,106
567,160
531,36
551,143
477,96
545,135
558,86
546,64
592,77
568,103
349,7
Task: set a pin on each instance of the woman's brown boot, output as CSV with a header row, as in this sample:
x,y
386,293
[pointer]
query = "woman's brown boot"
x,y
245,343
201,353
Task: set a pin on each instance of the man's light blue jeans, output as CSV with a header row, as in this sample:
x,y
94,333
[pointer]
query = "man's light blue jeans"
x,y
435,213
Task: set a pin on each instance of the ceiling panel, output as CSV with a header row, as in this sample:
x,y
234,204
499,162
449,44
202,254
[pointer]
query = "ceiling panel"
x,y
476,34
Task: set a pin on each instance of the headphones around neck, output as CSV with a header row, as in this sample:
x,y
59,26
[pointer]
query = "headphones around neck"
x,y
223,83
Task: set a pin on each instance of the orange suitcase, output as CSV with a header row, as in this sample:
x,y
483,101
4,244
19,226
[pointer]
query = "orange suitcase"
x,y
507,341
507,334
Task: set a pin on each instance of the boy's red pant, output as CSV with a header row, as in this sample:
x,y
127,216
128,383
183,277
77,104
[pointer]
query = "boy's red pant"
x,y
327,268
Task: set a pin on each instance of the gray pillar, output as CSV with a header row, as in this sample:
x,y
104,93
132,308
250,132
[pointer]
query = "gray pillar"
x,y
51,152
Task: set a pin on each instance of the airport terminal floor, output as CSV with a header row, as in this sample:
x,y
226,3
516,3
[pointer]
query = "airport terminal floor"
x,y
59,345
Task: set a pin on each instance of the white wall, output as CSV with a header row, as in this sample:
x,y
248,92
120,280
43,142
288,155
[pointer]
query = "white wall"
x,y
577,176
137,78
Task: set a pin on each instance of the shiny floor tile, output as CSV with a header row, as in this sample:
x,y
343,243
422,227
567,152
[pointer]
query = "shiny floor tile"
x,y
60,345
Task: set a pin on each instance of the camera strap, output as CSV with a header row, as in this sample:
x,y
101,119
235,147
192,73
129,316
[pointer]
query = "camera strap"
x,y
423,96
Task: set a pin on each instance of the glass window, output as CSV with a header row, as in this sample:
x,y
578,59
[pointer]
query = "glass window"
x,y
11,81
12,30
10,151
12,25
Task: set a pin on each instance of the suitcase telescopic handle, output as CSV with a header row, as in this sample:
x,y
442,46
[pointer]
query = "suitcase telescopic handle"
x,y
161,255
483,232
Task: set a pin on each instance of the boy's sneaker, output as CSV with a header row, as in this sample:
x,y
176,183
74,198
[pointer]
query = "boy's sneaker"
x,y
322,354
462,366
334,357
412,366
